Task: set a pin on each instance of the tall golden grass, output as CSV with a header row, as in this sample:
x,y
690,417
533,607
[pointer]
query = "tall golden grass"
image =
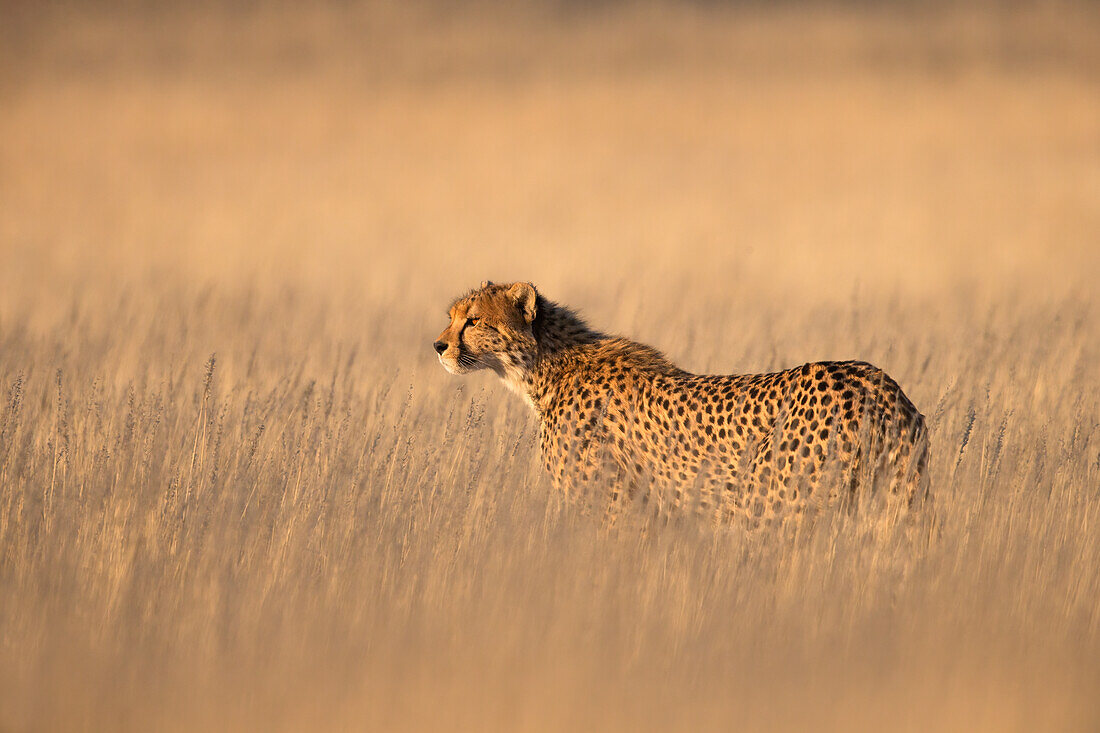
x,y
238,493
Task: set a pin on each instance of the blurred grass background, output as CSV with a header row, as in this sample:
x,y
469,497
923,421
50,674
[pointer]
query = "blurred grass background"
x,y
319,528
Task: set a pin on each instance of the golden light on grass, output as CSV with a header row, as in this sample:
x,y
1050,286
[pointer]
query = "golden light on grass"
x,y
237,491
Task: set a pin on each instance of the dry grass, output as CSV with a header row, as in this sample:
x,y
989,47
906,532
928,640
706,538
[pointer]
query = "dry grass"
x,y
319,529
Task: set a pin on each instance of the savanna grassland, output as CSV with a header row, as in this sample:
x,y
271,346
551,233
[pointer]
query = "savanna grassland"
x,y
237,491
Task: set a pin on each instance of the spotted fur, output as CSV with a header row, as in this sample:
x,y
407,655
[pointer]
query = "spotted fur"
x,y
615,413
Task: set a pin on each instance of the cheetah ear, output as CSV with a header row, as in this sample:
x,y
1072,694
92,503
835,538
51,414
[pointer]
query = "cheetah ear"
x,y
486,283
526,297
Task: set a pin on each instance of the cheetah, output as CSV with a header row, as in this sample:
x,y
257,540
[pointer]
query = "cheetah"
x,y
614,413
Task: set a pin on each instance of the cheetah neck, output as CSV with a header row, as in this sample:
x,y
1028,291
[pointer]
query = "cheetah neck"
x,y
558,329
565,344
559,333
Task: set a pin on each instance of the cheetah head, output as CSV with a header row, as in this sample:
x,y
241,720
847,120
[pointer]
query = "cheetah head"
x,y
490,328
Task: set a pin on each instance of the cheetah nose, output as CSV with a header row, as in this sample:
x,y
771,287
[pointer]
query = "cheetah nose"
x,y
440,346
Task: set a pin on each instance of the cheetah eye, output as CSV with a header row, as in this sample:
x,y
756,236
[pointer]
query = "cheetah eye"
x,y
472,321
